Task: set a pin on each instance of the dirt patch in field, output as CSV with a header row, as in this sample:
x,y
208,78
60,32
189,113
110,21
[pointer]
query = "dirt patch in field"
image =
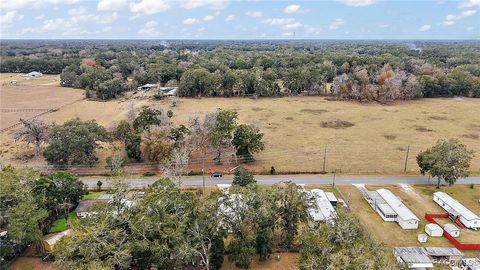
x,y
390,137
336,124
472,136
437,117
314,111
289,118
475,127
423,129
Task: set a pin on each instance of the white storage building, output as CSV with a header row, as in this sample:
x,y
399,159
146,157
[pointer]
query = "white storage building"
x,y
433,230
457,210
391,208
322,208
452,230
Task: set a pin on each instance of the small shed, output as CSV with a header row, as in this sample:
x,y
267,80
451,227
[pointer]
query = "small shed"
x,y
433,230
49,242
452,230
422,238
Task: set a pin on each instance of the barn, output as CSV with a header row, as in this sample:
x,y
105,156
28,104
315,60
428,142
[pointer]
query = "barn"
x,y
457,210
391,208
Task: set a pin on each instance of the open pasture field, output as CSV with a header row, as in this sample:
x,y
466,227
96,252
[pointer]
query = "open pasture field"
x,y
359,138
419,200
29,98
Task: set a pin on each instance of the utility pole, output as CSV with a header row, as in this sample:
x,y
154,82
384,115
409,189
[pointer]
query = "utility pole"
x,y
324,158
406,159
333,179
203,174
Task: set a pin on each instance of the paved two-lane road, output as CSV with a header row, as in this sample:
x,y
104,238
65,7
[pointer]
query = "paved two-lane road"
x,y
296,178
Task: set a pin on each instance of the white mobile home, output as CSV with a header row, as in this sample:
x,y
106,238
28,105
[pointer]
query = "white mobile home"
x,y
433,230
457,210
391,208
322,208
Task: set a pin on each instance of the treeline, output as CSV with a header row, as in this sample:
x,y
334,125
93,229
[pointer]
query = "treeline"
x,y
358,70
30,204
147,135
172,229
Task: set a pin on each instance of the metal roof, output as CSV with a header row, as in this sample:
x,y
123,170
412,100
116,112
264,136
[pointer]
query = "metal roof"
x,y
456,206
322,208
442,251
433,227
397,205
472,263
56,237
450,228
380,203
331,197
84,205
413,255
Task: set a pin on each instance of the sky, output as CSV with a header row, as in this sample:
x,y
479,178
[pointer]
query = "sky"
x,y
235,19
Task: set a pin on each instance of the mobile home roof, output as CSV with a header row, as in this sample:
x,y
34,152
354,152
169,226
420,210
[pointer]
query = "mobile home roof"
x,y
397,205
456,206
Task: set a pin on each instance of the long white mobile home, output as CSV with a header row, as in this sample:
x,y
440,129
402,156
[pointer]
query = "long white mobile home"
x,y
457,210
322,207
391,208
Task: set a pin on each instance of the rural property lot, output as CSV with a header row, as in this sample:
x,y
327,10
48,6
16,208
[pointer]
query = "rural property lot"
x,y
32,97
391,234
360,138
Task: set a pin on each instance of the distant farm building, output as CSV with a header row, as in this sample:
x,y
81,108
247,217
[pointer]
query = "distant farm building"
x,y
34,74
391,208
147,86
433,230
457,211
323,205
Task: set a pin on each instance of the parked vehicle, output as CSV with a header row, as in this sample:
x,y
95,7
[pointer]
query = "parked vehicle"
x,y
216,174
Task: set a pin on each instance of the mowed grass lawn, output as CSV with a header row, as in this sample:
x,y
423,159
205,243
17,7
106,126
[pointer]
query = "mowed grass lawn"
x,y
61,225
390,233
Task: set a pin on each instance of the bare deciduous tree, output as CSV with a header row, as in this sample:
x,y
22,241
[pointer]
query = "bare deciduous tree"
x,y
131,112
174,168
34,132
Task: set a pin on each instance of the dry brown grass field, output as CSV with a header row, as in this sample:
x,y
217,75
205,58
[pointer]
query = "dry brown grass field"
x,y
360,138
391,234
